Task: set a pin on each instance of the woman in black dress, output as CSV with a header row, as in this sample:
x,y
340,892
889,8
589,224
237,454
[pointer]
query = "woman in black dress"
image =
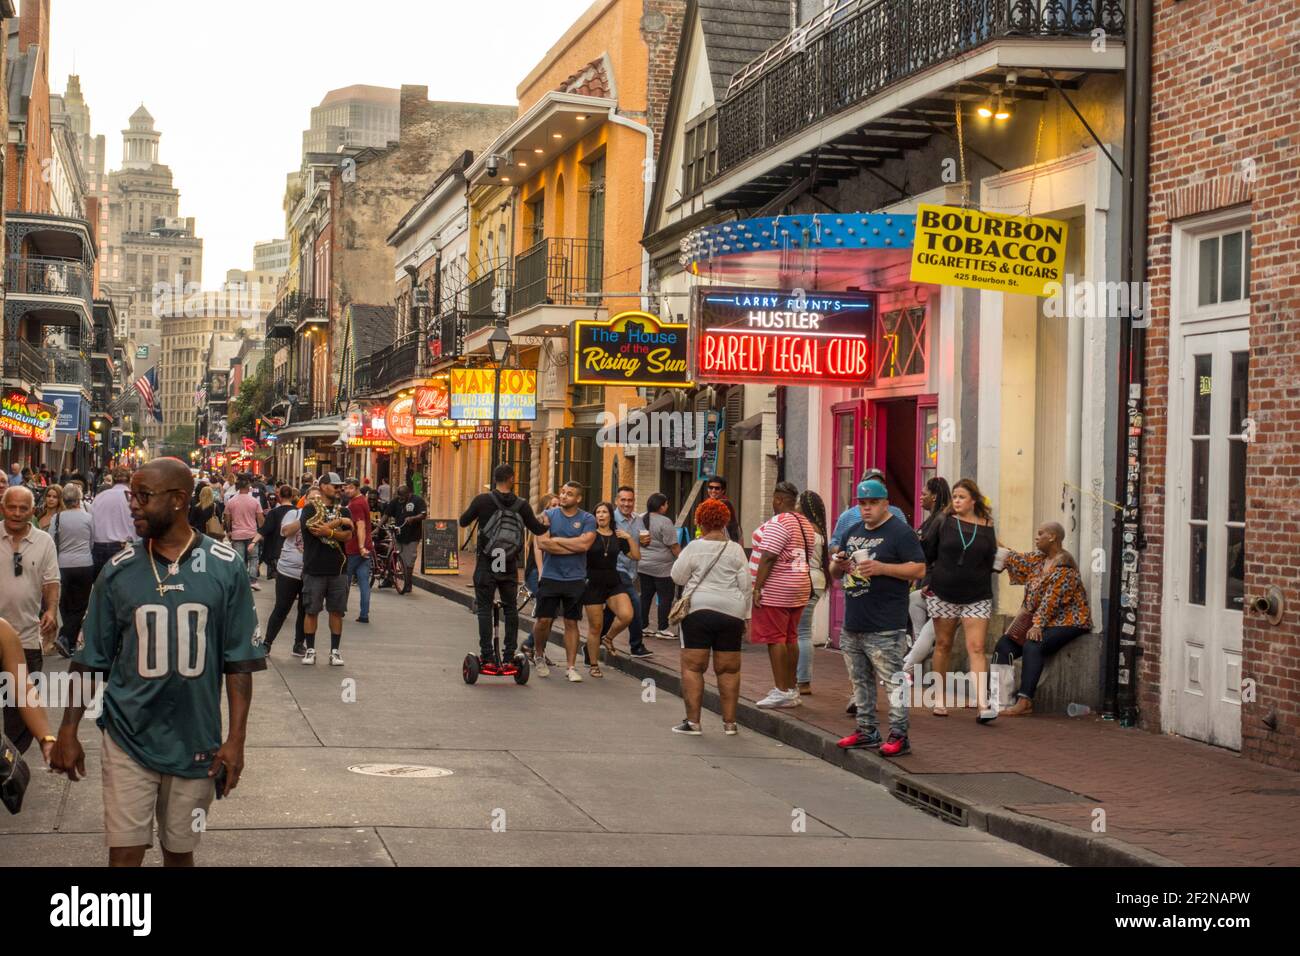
x,y
960,555
603,584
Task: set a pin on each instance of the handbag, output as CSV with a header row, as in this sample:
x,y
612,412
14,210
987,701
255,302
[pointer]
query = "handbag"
x,y
1019,629
14,775
682,606
214,526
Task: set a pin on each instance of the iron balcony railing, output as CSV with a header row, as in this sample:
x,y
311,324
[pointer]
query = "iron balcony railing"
x,y
310,308
25,362
362,379
858,48
559,272
395,363
479,294
280,320
25,275
67,367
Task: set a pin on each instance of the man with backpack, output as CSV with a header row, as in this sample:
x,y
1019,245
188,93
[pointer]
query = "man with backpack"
x,y
502,520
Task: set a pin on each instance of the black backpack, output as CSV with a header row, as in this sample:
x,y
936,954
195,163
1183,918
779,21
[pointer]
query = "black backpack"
x,y
504,531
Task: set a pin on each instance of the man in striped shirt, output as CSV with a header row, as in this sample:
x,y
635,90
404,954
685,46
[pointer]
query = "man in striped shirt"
x,y
783,547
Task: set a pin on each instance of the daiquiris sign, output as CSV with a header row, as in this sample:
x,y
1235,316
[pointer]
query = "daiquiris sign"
x,y
632,348
790,337
24,417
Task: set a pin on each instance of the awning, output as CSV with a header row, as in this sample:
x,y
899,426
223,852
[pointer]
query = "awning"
x,y
314,426
751,429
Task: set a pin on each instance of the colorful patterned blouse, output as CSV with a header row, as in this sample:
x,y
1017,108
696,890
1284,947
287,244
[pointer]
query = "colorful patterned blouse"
x,y
1057,598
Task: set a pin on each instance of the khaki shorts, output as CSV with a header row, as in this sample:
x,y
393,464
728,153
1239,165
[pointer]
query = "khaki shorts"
x,y
135,796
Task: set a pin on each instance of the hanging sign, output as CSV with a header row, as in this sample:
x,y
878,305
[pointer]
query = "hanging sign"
x,y
472,391
790,337
399,419
987,250
25,417
432,408
632,348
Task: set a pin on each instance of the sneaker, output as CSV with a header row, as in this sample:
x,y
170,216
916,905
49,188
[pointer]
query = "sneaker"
x,y
896,745
336,659
687,727
987,715
298,649
860,741
789,698
643,652
309,656
730,729
663,635
540,667
363,620
573,676
773,698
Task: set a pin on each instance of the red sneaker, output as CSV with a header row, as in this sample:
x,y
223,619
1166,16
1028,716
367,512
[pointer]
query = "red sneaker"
x,y
860,741
895,746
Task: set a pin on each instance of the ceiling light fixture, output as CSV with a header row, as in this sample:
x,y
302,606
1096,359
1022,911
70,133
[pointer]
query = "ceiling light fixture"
x,y
557,136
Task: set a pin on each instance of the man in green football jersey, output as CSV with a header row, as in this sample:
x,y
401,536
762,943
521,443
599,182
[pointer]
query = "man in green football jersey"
x,y
166,619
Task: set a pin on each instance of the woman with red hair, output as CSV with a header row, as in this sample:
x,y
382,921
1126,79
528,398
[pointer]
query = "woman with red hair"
x,y
713,573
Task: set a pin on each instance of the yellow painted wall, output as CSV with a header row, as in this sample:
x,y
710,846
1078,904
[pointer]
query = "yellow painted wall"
x,y
610,27
1015,515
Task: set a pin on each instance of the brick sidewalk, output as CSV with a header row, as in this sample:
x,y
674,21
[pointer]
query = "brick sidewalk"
x,y
1186,801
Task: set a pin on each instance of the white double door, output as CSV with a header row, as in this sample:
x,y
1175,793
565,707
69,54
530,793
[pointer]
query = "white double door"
x,y
1209,440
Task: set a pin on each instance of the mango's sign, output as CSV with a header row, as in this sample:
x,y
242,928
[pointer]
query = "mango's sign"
x,y
473,392
25,417
985,250
632,348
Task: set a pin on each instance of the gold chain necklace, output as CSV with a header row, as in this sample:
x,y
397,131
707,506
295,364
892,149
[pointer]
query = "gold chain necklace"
x,y
173,568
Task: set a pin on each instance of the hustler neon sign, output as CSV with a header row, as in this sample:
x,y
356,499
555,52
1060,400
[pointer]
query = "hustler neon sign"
x,y
784,338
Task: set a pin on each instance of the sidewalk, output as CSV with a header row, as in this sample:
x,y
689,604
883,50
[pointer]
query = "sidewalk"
x,y
1183,801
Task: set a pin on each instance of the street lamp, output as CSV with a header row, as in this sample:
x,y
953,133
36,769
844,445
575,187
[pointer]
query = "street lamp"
x,y
498,347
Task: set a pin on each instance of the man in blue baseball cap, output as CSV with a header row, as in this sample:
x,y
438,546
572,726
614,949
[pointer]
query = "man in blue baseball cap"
x,y
878,559
855,513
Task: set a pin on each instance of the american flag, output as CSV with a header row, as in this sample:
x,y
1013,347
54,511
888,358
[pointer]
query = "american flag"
x,y
147,386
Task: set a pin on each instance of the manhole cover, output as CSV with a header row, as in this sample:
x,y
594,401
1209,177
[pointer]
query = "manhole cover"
x,y
999,789
398,770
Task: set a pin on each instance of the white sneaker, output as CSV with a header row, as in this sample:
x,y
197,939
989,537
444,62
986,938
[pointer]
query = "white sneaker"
x,y
309,656
774,697
789,698
573,675
336,659
540,667
665,635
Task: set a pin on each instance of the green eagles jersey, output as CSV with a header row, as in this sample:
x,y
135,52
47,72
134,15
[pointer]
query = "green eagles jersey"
x,y
165,653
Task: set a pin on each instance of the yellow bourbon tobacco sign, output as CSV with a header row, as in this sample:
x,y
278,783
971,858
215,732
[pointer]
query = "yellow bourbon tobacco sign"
x,y
632,348
985,250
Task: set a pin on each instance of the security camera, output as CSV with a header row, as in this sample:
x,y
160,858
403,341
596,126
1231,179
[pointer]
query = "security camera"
x,y
493,163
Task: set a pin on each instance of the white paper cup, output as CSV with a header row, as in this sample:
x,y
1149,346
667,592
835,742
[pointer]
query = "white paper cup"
x,y
1000,561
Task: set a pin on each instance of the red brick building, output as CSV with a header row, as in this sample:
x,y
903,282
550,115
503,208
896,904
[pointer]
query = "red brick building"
x,y
1221,456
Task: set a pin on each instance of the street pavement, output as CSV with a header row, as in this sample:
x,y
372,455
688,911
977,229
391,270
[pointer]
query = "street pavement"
x,y
550,773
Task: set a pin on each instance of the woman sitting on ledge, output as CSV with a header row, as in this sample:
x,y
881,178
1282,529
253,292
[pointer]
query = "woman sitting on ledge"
x,y
1054,613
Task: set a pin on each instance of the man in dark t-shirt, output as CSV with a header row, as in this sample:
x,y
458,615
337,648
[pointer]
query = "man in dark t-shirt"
x,y
408,511
496,570
326,528
878,559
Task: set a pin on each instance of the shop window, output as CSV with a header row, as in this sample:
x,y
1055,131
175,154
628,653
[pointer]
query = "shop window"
x,y
577,458
536,229
900,344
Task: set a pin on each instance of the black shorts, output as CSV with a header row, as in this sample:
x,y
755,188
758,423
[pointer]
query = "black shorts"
x,y
598,592
712,631
553,596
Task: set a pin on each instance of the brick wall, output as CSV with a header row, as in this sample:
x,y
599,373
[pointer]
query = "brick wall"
x,y
1225,78
661,28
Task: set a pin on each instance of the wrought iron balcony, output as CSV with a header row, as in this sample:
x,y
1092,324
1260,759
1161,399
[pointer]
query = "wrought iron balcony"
x,y
395,363
310,309
281,319
25,362
361,376
479,293
858,48
26,275
558,272
67,367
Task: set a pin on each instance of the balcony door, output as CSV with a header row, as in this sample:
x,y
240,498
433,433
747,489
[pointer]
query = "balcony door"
x,y
595,224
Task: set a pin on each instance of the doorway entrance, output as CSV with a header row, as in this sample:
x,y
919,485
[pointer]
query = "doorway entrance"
x,y
1205,595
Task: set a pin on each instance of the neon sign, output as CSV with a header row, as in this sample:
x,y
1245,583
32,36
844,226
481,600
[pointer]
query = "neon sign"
x,y
25,417
783,337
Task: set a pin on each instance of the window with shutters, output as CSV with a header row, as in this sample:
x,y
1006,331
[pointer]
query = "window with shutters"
x,y
700,153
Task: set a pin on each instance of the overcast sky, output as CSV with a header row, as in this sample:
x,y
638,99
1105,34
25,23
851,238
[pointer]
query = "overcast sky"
x,y
230,83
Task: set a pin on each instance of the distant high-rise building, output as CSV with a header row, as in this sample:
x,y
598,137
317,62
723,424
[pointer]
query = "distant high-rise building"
x,y
354,116
271,256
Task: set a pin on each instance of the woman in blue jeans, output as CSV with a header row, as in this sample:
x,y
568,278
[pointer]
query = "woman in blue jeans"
x,y
1056,609
812,507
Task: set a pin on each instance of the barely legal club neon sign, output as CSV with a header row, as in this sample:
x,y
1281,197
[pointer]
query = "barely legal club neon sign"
x,y
784,337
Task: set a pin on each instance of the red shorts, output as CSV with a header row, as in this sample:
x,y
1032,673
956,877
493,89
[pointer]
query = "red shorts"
x,y
775,625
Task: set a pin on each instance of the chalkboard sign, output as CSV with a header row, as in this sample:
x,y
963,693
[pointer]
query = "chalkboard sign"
x,y
440,555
